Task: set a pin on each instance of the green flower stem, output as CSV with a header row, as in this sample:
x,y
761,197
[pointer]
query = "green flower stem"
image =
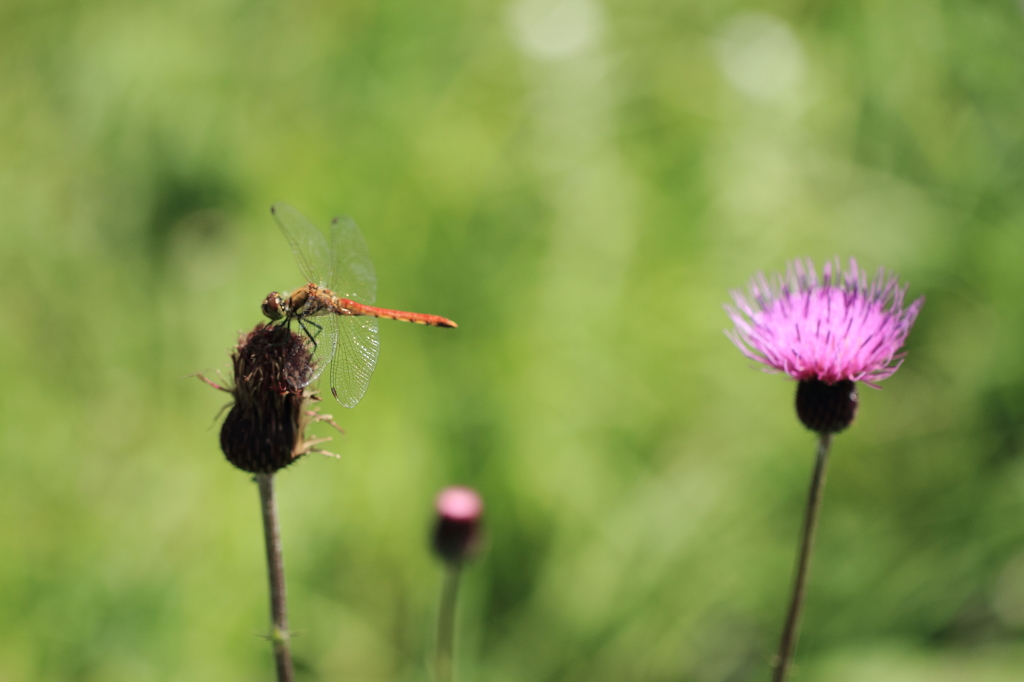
x,y
446,623
279,635
791,631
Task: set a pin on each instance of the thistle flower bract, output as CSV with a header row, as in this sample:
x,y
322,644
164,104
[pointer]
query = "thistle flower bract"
x,y
265,429
841,328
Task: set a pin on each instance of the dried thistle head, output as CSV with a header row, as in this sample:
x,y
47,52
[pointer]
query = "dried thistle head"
x,y
265,428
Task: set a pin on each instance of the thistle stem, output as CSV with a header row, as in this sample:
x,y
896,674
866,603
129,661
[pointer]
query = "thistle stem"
x,y
791,631
446,623
279,635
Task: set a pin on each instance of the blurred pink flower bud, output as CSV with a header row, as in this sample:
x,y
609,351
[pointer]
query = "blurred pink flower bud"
x,y
456,534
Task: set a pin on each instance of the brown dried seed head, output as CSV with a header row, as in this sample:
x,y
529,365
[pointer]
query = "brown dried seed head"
x,y
265,429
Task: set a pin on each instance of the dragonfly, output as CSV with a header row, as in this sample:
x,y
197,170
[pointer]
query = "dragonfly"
x,y
334,309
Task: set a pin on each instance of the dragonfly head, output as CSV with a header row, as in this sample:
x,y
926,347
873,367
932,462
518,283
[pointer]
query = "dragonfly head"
x,y
273,306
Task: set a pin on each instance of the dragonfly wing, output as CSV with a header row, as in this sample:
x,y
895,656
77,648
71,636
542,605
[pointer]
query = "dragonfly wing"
x,y
310,247
354,276
355,359
321,334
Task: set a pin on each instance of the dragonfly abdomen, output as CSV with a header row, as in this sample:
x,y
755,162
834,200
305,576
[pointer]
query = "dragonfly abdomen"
x,y
353,308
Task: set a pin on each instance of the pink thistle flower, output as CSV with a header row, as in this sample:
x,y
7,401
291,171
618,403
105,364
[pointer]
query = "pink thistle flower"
x,y
839,329
827,335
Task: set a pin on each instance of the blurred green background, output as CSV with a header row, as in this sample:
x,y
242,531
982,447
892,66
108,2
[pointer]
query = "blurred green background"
x,y
578,183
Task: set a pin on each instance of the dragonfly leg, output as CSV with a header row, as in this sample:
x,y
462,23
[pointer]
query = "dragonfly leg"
x,y
310,335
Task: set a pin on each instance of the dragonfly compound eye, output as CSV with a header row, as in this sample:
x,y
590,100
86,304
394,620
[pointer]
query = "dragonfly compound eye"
x,y
272,306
